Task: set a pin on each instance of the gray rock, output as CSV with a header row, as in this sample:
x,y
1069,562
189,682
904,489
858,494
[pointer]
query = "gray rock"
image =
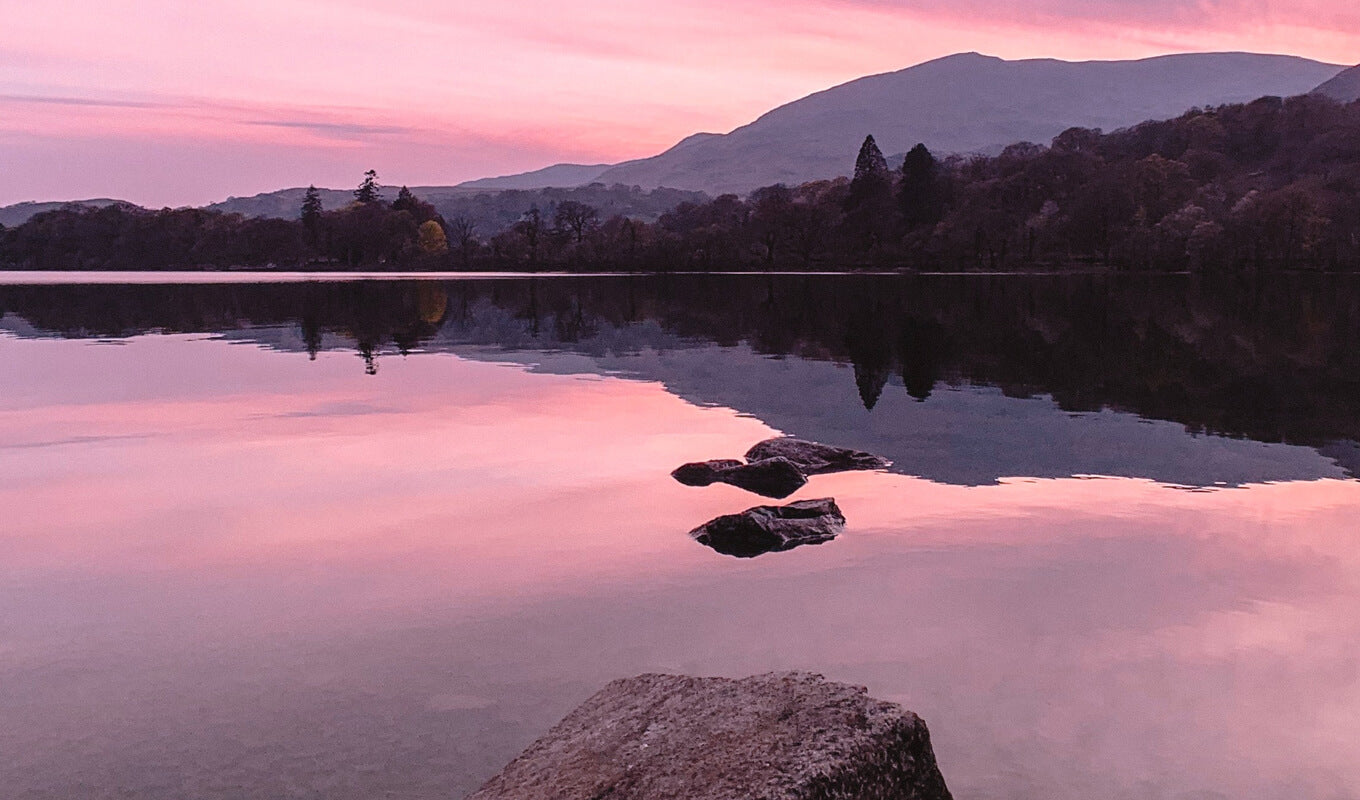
x,y
703,473
773,477
781,736
816,459
771,529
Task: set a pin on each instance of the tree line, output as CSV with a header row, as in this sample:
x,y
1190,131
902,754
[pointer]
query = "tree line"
x,y
1271,184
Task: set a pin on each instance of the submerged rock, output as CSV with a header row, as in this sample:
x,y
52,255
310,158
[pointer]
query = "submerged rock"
x,y
772,529
773,477
816,459
703,473
781,736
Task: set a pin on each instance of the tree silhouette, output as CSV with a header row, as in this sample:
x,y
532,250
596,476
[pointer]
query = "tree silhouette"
x,y
369,191
870,166
576,218
868,207
463,230
920,194
531,229
405,201
311,213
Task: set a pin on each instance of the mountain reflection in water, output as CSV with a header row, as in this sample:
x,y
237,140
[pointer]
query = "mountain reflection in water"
x,y
369,539
1036,369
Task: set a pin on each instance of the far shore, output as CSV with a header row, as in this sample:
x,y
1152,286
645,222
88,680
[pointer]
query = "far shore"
x,y
207,276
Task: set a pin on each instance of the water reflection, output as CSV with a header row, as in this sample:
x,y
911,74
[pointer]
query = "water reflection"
x,y
1267,361
254,571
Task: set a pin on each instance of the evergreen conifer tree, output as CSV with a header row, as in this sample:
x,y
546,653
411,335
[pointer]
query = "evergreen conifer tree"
x,y
311,214
920,194
868,206
870,166
405,201
311,207
369,191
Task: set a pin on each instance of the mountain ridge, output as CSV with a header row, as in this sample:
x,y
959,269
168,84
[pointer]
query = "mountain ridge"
x,y
961,103
964,103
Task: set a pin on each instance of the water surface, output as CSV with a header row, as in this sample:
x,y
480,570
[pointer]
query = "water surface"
x,y
370,538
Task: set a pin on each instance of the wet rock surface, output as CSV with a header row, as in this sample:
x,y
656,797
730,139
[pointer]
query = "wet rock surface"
x,y
816,459
780,736
704,473
771,529
773,477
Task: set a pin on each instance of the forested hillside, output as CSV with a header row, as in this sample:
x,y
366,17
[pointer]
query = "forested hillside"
x,y
1271,184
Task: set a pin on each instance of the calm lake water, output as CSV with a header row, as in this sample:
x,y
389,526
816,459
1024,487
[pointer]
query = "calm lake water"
x,y
369,539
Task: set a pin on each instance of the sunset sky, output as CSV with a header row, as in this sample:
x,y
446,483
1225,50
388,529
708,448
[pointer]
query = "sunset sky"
x,y
169,103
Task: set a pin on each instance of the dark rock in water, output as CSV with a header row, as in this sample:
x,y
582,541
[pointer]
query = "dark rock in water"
x,y
781,736
703,473
772,529
816,459
773,477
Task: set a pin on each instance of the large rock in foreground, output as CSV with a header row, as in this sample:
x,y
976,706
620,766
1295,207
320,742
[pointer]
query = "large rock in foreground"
x,y
772,529
782,736
816,459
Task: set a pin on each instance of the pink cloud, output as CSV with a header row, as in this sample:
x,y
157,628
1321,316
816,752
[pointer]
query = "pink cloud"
x,y
430,92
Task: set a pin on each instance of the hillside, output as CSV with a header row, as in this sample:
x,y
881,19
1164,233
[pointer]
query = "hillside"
x,y
1273,184
19,213
556,175
1344,88
962,104
489,210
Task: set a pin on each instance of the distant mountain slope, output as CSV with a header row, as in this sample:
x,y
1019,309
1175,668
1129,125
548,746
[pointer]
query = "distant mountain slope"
x,y
490,210
282,204
960,104
558,175
1344,87
19,213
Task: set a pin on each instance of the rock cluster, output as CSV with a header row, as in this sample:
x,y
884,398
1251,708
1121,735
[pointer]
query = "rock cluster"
x,y
775,468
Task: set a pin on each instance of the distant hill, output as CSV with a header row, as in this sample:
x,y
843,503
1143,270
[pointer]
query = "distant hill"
x,y
19,213
490,210
1344,87
282,204
966,103
558,175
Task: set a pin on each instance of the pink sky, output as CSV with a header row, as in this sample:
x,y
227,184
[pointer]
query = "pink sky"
x,y
167,103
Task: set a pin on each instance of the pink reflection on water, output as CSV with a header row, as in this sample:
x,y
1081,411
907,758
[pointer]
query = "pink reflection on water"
x,y
205,530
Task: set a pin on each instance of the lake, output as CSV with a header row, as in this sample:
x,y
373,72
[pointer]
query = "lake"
x,y
370,538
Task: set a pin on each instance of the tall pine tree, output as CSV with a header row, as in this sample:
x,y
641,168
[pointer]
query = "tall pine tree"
x,y
311,213
369,191
920,195
868,206
870,167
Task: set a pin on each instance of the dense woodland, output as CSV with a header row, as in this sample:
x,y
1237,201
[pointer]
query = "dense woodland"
x,y
1272,184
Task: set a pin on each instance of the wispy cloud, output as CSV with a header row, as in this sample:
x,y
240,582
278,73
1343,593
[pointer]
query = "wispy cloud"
x,y
456,89
20,99
1208,18
346,130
